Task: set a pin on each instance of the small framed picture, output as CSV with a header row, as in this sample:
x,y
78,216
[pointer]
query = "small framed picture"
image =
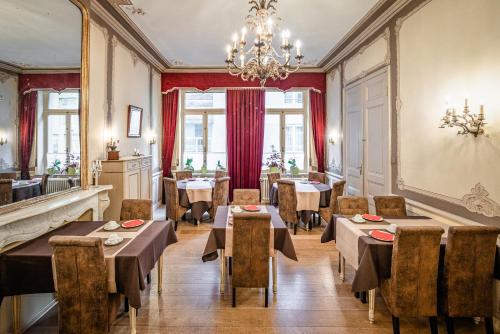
x,y
134,124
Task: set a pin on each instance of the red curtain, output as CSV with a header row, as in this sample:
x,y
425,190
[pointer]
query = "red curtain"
x,y
245,137
170,107
318,120
27,116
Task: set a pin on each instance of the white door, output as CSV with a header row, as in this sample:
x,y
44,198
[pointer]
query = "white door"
x,y
376,157
354,140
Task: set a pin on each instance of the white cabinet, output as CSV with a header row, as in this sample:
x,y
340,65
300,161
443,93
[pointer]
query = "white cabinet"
x,y
131,178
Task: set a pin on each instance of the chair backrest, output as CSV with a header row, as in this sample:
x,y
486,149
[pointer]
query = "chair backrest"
x,y
171,198
8,175
414,271
350,206
337,191
246,196
81,282
136,209
221,193
390,206
317,176
272,178
220,173
43,183
468,271
287,201
5,191
251,232
183,174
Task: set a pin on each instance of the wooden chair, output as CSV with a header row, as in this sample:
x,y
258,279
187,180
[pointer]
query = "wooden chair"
x,y
468,274
6,196
411,291
390,206
220,173
220,195
81,284
272,178
287,203
136,209
183,175
174,210
337,190
317,176
251,232
350,206
246,196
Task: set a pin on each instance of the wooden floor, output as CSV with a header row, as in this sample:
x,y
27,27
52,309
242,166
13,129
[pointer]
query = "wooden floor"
x,y
310,299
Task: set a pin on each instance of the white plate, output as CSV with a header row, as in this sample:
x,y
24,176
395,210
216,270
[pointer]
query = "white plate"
x,y
113,242
234,210
358,221
111,228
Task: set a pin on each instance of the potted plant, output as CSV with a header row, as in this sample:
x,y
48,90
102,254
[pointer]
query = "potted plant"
x,y
219,166
275,163
55,168
113,153
72,165
204,170
294,170
189,164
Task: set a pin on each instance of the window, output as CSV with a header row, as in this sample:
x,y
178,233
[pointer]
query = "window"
x,y
204,130
285,130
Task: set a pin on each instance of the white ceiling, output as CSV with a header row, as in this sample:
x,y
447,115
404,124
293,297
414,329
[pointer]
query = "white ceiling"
x,y
40,33
195,32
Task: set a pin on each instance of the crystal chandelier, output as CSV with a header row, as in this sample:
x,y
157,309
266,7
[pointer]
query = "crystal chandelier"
x,y
264,61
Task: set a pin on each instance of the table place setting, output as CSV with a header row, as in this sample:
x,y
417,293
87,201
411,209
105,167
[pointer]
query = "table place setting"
x,y
113,240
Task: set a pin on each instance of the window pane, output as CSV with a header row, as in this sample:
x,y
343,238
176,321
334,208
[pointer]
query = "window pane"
x,y
75,135
216,141
65,101
294,140
271,135
205,100
56,139
193,140
288,100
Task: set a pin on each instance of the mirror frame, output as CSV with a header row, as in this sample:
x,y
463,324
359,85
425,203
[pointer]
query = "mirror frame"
x,y
83,6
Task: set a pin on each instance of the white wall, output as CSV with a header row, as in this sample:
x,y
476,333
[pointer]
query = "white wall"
x,y
8,119
334,122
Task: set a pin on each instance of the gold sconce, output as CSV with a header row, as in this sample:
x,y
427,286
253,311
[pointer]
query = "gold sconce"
x,y
3,141
333,137
152,139
468,122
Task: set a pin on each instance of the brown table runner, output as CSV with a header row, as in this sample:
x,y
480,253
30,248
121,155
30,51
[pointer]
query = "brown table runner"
x,y
27,268
197,208
217,237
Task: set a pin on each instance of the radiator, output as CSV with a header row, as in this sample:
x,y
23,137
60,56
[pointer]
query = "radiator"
x,y
264,189
59,184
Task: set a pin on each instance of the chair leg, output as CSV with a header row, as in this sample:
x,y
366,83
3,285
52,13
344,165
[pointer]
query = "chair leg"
x,y
267,295
450,328
395,325
488,323
230,265
363,297
148,278
234,297
294,229
433,322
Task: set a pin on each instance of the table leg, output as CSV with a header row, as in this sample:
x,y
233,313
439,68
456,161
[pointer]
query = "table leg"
x,y
275,271
16,314
342,268
160,274
222,271
132,313
371,306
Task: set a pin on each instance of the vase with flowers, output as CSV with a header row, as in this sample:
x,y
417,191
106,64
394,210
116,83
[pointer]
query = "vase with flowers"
x,y
112,146
294,170
275,163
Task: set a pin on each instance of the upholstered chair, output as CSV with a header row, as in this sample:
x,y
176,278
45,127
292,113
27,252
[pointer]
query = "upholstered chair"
x,y
251,233
174,210
220,195
467,282
350,206
5,191
81,284
8,175
272,178
246,196
183,175
136,209
411,291
337,190
287,201
220,173
317,176
390,206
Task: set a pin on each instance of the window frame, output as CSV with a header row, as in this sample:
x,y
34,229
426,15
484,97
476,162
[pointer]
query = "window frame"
x,y
293,111
204,112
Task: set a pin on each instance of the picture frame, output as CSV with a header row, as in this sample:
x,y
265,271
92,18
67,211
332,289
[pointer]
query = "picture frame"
x,y
134,122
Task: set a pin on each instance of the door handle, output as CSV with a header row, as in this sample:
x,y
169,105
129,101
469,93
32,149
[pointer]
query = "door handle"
x,y
360,169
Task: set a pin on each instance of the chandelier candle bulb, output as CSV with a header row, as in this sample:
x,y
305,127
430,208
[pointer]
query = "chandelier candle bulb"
x,y
298,45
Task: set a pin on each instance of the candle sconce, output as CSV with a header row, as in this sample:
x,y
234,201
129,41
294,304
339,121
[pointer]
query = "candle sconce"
x,y
3,141
468,122
152,140
96,171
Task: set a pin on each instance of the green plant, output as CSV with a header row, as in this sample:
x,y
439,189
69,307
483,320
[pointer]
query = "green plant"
x,y
219,166
55,167
189,164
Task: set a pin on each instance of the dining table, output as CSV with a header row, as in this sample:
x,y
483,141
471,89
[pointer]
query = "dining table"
x,y
220,241
196,194
311,195
27,267
372,258
25,189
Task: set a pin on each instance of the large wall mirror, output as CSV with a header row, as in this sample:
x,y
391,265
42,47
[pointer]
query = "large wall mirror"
x,y
43,85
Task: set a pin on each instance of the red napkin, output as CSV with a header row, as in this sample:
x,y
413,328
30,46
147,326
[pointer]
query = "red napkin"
x,y
372,218
253,208
381,235
132,223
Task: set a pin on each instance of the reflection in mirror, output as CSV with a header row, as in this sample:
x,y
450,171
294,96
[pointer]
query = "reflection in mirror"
x,y
40,62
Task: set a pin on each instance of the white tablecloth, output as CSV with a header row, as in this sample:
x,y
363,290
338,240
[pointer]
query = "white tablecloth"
x,y
199,191
308,196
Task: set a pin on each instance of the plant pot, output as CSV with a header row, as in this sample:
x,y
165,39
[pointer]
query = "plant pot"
x,y
274,170
71,171
294,170
113,155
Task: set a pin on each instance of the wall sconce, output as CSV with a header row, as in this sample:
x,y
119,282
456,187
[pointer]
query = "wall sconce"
x,y
3,141
152,139
470,123
331,140
333,137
